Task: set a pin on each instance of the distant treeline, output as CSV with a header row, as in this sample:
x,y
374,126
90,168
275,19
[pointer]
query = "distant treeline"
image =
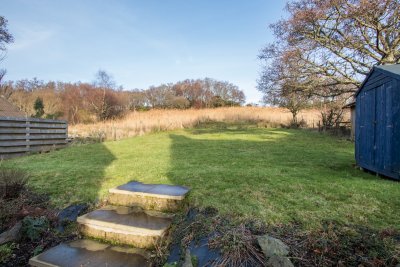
x,y
101,100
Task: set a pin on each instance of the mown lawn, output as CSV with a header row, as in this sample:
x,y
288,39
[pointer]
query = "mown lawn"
x,y
276,175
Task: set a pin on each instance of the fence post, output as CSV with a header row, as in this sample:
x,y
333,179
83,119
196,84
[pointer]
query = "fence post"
x,y
27,135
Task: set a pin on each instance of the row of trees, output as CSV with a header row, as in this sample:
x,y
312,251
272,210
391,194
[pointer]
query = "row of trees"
x,y
205,93
325,48
103,99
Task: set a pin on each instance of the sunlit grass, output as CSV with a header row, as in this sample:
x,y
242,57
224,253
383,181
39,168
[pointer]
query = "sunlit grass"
x,y
276,175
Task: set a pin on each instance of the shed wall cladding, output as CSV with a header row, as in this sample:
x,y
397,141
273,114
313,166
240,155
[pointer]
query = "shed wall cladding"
x,y
19,136
378,124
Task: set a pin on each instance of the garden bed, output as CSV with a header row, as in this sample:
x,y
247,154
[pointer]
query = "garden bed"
x,y
212,238
28,223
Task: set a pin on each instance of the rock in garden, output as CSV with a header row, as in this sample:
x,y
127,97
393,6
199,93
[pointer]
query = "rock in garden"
x,y
272,246
11,234
69,214
188,259
279,261
204,254
198,249
72,212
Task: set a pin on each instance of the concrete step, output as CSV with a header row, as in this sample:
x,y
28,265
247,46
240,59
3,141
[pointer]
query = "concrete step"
x,y
158,197
89,253
125,225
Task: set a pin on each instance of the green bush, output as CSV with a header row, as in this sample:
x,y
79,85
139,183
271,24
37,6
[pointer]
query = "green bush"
x,y
37,250
195,260
33,228
6,252
12,182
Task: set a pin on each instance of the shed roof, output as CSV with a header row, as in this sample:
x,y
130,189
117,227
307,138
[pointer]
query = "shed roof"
x,y
9,110
389,70
392,70
352,104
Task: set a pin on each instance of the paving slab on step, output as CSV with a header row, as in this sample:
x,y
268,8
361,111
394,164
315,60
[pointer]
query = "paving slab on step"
x,y
159,197
125,225
89,253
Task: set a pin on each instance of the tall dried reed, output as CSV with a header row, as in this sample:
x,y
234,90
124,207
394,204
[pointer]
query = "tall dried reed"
x,y
139,123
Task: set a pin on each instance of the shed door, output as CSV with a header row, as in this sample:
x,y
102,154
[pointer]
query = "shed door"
x,y
383,128
365,151
375,130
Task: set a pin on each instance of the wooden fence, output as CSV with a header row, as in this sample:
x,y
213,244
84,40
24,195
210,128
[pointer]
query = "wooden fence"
x,y
20,136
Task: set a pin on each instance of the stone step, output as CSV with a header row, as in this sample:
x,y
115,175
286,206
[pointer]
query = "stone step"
x,y
89,253
158,197
125,225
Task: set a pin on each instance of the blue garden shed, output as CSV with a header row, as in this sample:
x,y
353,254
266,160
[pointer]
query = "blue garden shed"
x,y
377,133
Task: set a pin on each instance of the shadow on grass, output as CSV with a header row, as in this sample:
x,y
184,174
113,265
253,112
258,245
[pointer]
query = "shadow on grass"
x,y
73,174
279,176
226,128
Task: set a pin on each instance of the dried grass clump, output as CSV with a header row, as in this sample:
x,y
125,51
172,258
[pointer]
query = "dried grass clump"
x,y
238,247
338,244
12,182
139,123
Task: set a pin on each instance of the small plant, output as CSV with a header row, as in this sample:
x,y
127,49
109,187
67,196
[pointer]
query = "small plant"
x,y
160,254
12,182
355,245
38,250
195,261
6,252
33,228
238,247
38,106
298,124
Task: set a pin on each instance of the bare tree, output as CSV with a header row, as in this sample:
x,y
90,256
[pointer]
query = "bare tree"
x,y
5,36
5,89
103,100
134,99
104,80
337,41
209,93
284,84
73,102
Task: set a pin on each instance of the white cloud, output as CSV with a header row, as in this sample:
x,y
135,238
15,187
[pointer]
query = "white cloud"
x,y
26,38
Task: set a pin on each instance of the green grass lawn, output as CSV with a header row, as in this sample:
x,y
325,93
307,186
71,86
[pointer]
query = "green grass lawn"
x,y
276,175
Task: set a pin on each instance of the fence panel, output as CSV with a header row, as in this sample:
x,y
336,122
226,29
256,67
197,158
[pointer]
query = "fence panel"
x,y
20,136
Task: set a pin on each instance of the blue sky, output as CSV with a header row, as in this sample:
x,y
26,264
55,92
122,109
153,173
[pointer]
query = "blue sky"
x,y
141,43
